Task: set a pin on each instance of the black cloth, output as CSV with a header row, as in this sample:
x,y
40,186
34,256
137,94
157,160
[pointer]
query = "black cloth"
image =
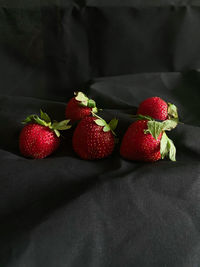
x,y
64,211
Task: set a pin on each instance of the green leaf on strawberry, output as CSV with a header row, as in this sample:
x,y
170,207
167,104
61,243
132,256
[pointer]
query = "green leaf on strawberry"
x,y
81,97
94,110
38,120
172,111
163,146
100,122
143,117
172,150
46,121
44,116
57,133
85,101
111,126
62,125
106,128
155,127
91,103
28,119
168,125
167,148
35,119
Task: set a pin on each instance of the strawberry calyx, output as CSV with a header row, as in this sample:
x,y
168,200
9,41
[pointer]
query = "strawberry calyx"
x,y
85,101
111,126
167,147
155,128
172,112
45,120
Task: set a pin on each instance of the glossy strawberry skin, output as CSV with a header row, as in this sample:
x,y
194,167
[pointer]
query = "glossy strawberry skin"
x,y
37,141
75,112
138,146
154,107
90,141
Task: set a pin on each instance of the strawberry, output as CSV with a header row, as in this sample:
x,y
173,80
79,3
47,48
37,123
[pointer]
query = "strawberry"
x,y
79,107
146,140
93,138
157,108
40,137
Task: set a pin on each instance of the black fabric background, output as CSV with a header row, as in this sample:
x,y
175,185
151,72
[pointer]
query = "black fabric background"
x,y
63,211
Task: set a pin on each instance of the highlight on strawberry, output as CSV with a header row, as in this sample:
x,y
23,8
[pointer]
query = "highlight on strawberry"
x,y
40,137
158,109
79,107
94,138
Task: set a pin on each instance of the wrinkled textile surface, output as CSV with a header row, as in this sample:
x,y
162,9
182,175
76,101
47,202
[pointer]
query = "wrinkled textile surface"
x,y
63,211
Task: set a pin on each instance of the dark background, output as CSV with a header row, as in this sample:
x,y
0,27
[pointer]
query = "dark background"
x,y
63,211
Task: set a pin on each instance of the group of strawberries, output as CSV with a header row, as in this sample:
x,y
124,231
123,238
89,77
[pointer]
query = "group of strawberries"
x,y
94,138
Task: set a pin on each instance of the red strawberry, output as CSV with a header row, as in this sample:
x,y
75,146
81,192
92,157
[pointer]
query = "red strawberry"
x,y
79,107
146,141
157,108
93,138
136,145
40,138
